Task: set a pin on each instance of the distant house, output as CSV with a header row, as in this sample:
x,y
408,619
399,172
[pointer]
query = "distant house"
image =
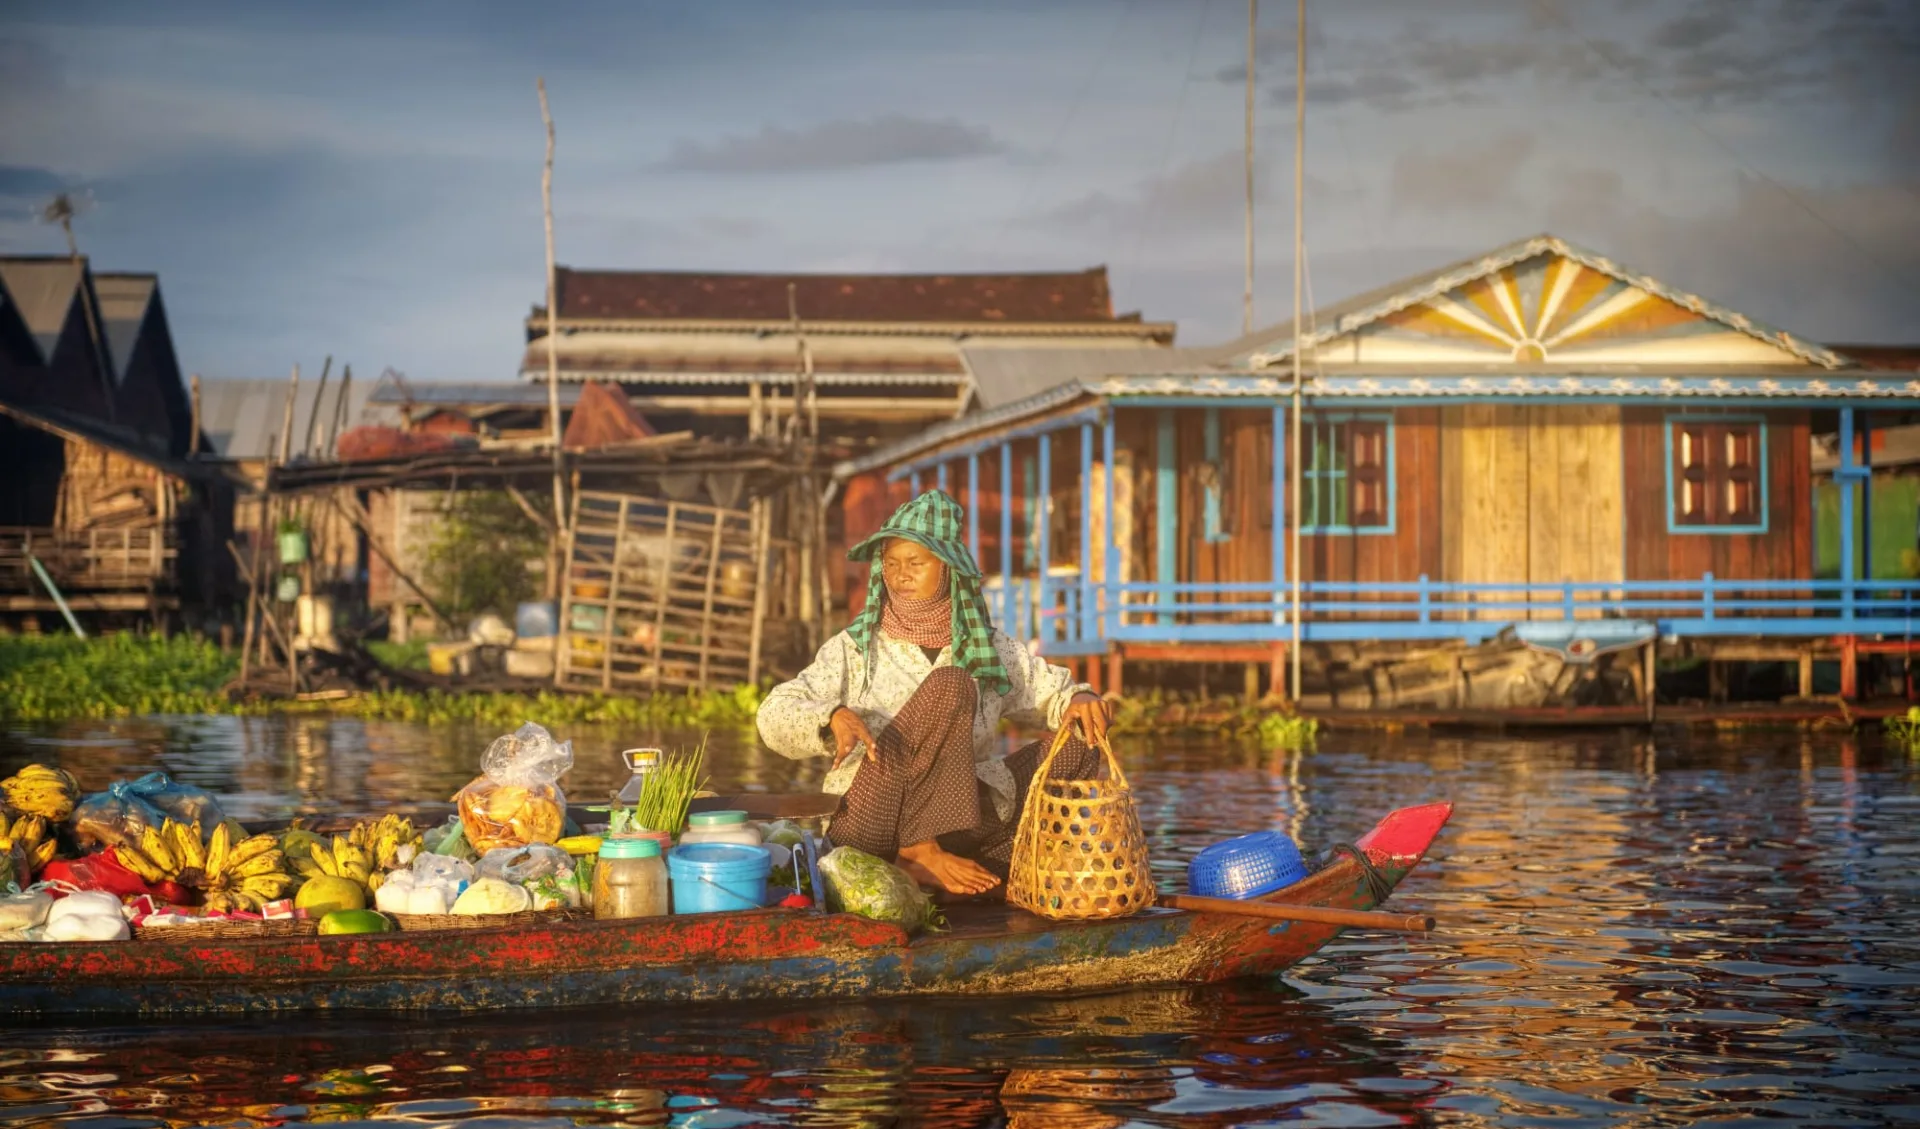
x,y
718,354
1538,439
95,433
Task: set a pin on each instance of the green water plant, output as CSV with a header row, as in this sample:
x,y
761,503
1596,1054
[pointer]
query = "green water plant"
x,y
47,677
669,790
1905,729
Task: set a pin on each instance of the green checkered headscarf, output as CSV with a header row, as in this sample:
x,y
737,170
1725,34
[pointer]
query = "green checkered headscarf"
x,y
934,520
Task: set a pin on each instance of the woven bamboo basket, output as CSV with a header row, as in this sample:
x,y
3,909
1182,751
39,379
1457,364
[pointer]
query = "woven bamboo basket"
x,y
417,921
227,929
1078,853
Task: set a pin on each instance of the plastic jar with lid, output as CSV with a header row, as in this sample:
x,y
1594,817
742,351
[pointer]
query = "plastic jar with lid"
x,y
720,827
630,880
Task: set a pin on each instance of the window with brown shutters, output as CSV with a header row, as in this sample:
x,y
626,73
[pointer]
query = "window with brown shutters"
x,y
1718,476
1347,480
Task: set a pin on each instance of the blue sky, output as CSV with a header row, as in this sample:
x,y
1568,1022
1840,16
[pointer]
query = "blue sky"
x,y
364,180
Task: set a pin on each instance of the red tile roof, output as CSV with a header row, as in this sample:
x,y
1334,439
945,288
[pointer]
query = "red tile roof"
x,y
1882,356
1077,297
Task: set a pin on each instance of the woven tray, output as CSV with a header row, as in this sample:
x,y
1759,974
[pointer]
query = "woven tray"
x,y
226,929
417,921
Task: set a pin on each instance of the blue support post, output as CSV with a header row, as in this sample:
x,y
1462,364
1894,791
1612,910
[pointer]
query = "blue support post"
x,y
973,506
1086,630
1706,596
1110,574
1426,600
1843,476
1211,504
940,477
1866,497
914,482
1279,550
1006,537
1166,514
1043,520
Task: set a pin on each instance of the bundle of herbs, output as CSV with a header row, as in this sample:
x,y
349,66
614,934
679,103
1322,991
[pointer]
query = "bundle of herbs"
x,y
667,793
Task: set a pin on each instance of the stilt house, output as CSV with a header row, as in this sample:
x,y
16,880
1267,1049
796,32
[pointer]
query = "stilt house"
x,y
1538,445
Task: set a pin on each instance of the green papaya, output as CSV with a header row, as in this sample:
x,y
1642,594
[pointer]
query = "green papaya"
x,y
353,921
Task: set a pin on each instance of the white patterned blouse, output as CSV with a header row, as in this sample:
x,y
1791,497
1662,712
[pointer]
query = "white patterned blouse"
x,y
793,718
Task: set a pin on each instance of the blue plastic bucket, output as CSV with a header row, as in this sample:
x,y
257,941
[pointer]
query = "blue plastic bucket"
x,y
718,877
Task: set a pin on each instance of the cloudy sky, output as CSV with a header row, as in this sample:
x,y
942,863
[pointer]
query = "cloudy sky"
x,y
364,180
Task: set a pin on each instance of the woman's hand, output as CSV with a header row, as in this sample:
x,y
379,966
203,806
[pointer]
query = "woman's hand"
x,y
1093,713
848,731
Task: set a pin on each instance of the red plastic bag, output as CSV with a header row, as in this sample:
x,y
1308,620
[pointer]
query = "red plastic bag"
x,y
96,872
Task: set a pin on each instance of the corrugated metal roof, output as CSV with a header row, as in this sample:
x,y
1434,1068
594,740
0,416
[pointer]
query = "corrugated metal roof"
x,y
1078,296
242,418
1007,375
42,290
472,394
124,299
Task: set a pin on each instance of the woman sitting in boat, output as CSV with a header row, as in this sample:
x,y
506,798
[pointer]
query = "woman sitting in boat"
x,y
908,702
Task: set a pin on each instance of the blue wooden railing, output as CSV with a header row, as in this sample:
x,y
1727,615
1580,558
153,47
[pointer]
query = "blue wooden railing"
x,y
1072,616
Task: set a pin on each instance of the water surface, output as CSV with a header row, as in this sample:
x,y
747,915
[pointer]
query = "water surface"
x,y
1634,931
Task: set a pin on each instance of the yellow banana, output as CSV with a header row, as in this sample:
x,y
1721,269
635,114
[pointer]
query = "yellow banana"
x,y
375,880
324,860
307,868
155,847
269,863
267,887
218,850
184,840
251,848
43,854
136,861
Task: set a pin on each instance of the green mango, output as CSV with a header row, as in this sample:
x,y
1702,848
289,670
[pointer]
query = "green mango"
x,y
353,921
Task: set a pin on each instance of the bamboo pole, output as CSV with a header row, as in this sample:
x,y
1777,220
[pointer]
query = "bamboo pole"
x,y
762,511
555,564
1319,915
338,423
1299,283
193,432
319,397
1246,305
286,426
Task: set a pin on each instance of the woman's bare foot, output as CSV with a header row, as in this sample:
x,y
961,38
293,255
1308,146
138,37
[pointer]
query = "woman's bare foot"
x,y
931,865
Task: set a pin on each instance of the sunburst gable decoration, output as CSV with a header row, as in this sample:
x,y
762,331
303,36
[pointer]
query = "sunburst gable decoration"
x,y
1551,309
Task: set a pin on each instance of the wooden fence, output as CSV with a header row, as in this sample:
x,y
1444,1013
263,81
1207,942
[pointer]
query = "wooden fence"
x,y
142,557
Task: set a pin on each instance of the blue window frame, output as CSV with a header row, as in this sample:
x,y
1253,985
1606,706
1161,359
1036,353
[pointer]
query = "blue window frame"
x,y
1348,480
1716,474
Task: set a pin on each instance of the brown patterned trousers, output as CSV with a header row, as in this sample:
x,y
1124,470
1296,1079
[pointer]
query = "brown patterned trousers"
x,y
922,785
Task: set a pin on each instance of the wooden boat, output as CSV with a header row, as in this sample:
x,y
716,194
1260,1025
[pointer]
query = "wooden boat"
x,y
763,954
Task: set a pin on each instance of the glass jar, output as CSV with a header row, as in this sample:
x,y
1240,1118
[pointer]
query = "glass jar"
x,y
720,827
630,880
641,763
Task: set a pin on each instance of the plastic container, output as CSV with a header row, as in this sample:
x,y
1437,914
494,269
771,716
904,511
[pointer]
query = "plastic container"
x,y
718,877
641,763
293,547
1246,867
720,827
537,619
629,880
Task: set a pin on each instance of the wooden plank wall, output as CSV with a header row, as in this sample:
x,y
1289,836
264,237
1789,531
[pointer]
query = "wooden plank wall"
x,y
1531,493
1783,552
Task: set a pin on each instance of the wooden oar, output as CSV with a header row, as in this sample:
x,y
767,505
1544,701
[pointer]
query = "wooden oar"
x,y
1280,911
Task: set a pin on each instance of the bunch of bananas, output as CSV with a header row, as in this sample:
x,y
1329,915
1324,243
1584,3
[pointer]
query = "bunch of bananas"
x,y
363,854
49,793
390,840
29,833
233,873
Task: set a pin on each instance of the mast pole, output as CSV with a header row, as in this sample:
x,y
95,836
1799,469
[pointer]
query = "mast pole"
x,y
555,565
1299,273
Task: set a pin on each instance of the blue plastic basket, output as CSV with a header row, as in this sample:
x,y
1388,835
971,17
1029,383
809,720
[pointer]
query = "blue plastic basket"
x,y
718,877
1246,867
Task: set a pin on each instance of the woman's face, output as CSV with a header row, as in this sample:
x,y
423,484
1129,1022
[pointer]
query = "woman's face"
x,y
911,571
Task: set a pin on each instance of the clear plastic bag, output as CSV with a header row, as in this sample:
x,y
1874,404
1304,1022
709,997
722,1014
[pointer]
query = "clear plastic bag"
x,y
118,816
433,869
517,799
862,884
520,865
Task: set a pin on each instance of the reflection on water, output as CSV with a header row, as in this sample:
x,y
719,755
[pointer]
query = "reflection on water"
x,y
1632,933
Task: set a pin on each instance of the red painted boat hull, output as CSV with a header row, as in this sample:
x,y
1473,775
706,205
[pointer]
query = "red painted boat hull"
x,y
768,954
